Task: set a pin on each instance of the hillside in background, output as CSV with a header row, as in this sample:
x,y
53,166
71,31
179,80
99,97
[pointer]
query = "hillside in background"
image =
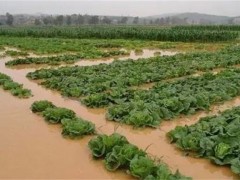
x,y
198,18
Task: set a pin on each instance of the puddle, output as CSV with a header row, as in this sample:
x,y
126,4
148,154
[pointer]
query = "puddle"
x,y
34,149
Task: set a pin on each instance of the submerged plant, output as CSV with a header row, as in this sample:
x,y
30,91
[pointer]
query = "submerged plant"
x,y
77,127
141,167
72,126
54,115
40,106
103,144
118,153
121,156
21,93
15,88
213,137
8,85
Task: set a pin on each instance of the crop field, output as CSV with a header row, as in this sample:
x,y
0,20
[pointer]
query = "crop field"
x,y
132,102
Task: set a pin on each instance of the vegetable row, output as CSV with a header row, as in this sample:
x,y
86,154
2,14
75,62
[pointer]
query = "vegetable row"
x,y
14,88
168,100
118,153
67,58
72,125
216,138
117,76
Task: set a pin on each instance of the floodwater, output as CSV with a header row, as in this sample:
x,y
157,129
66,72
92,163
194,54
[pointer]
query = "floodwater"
x,y
31,148
146,53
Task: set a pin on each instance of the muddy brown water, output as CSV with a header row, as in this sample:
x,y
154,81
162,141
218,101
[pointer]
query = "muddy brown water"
x,y
30,148
147,53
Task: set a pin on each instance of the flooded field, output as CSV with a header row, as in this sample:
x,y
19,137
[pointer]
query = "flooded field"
x,y
146,53
34,149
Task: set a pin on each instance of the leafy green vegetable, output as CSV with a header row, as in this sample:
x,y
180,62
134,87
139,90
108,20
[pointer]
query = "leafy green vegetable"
x,y
118,153
3,78
15,53
8,85
178,133
73,126
103,144
121,156
143,118
56,114
221,150
214,137
112,87
235,166
141,167
15,88
21,93
77,127
40,106
66,58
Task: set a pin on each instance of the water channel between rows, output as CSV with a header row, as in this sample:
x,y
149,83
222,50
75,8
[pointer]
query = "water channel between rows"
x,y
30,148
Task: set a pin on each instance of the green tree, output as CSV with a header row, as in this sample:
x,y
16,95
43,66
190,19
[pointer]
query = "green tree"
x,y
106,20
37,22
46,20
136,20
123,20
59,20
68,20
10,19
94,20
80,19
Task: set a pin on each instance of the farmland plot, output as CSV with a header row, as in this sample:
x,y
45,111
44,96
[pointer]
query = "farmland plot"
x,y
114,89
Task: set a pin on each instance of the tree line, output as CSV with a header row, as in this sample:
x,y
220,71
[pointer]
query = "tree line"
x,y
79,19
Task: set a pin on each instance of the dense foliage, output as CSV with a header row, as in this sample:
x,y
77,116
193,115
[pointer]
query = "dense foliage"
x,y
56,114
165,100
210,27
15,88
118,153
15,53
78,81
122,32
95,46
72,126
40,106
214,137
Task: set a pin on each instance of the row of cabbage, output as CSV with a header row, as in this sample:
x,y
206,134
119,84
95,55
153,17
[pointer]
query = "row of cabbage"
x,y
123,32
81,81
167,100
115,149
119,154
72,125
67,58
14,88
61,45
170,99
216,138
